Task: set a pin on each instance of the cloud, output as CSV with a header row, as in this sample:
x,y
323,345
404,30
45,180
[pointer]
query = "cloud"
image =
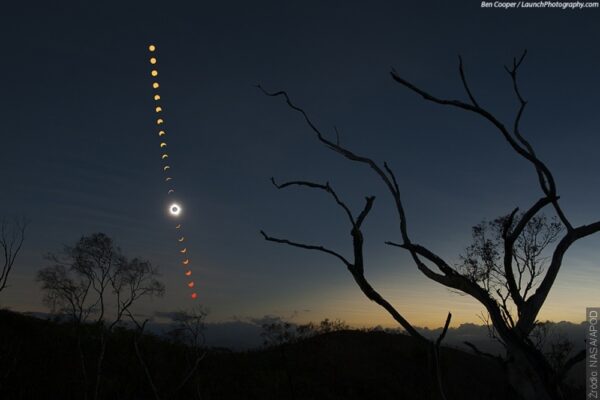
x,y
168,315
267,320
479,335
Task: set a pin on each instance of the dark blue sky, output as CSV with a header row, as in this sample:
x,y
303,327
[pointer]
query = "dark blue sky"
x,y
79,152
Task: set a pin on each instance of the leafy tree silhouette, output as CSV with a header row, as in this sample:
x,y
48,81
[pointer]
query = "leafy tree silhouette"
x,y
94,282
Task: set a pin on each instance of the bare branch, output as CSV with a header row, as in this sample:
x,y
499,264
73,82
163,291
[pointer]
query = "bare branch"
x,y
508,223
324,187
485,354
12,236
306,246
331,145
301,111
520,148
535,302
451,279
444,331
365,211
464,82
513,74
545,178
510,236
436,354
391,174
357,267
427,254
527,216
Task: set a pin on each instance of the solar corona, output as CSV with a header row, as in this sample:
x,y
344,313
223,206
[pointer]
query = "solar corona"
x,y
174,209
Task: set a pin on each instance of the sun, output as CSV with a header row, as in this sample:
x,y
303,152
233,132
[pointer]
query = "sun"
x,y
175,209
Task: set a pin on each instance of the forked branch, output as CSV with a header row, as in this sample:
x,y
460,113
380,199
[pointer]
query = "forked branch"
x,y
324,187
356,267
515,138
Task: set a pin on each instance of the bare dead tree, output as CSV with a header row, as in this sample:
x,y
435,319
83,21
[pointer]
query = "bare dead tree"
x,y
529,372
86,281
12,236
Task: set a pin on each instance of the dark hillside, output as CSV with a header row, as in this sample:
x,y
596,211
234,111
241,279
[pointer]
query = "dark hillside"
x,y
39,359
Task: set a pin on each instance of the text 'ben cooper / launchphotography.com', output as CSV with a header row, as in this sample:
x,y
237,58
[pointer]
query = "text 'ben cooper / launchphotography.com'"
x,y
560,5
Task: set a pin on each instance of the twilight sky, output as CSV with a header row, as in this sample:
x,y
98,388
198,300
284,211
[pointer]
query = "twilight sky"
x,y
79,152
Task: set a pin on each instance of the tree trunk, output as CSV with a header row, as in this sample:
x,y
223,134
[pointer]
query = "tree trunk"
x,y
99,365
531,376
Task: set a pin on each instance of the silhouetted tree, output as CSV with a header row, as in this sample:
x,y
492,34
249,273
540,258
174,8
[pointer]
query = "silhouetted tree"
x,y
12,236
529,371
189,331
483,263
189,326
276,331
94,282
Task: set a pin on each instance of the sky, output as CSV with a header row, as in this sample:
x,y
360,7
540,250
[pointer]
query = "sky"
x,y
80,155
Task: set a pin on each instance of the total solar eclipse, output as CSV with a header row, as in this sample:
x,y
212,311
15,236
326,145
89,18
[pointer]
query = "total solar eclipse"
x,y
175,209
